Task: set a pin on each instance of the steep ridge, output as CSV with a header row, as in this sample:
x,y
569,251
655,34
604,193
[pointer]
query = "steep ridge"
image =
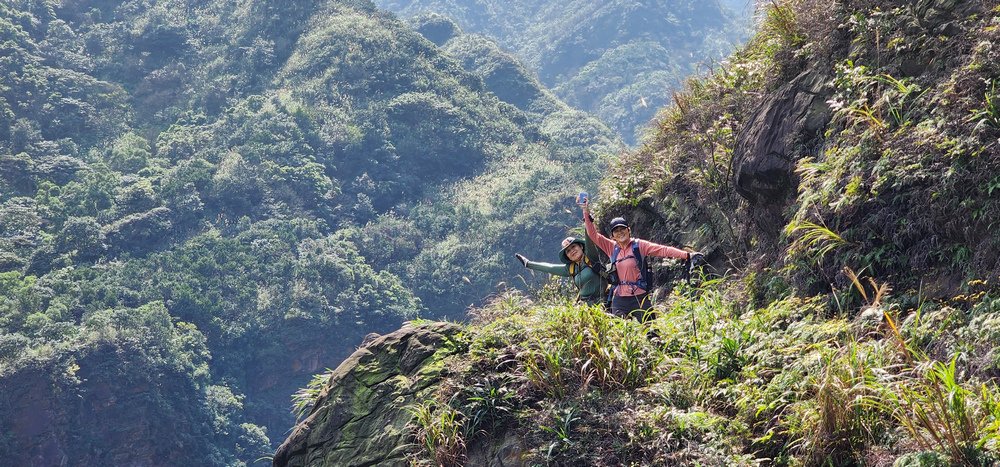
x,y
365,421
618,60
839,170
202,203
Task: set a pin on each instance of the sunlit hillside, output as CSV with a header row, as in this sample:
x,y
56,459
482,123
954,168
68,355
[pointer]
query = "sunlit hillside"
x,y
840,172
619,60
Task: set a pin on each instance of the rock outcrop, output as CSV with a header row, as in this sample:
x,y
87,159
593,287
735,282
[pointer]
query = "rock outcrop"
x,y
360,418
85,417
784,129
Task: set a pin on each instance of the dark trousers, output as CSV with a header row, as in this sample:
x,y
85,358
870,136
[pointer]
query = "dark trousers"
x,y
632,307
593,299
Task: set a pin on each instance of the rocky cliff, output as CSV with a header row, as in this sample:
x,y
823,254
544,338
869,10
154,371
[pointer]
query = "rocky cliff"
x,y
362,416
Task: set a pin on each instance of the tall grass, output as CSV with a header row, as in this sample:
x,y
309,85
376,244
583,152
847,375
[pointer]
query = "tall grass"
x,y
900,99
573,348
848,414
305,398
941,414
819,239
779,19
439,429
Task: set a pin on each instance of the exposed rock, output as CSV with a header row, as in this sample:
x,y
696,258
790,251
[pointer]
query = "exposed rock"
x,y
360,418
504,451
369,338
783,130
92,418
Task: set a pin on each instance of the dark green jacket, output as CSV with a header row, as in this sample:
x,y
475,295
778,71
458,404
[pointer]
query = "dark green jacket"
x,y
586,280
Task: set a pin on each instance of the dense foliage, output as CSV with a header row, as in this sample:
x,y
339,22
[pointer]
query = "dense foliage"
x,y
204,202
619,60
854,317
898,181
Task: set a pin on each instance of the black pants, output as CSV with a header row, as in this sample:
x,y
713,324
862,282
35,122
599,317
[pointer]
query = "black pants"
x,y
632,307
593,299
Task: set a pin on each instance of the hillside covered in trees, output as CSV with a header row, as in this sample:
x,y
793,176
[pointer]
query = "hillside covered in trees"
x,y
619,60
204,202
840,170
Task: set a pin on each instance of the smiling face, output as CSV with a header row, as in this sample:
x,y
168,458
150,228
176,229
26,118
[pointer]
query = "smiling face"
x,y
574,252
621,234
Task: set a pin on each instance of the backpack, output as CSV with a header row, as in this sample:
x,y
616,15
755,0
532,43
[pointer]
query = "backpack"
x,y
587,264
645,270
591,260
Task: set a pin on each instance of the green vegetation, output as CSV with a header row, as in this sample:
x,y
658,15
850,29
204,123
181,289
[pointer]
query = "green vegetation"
x,y
617,60
798,382
275,181
856,324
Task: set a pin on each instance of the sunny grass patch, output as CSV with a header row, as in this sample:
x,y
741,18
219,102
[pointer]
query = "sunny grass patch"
x,y
438,430
798,382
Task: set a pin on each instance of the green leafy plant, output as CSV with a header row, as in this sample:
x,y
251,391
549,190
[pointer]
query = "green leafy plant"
x,y
989,115
439,429
729,359
562,429
941,414
489,404
304,399
901,99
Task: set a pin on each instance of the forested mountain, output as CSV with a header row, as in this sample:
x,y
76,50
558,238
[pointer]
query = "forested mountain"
x,y
204,202
841,173
619,60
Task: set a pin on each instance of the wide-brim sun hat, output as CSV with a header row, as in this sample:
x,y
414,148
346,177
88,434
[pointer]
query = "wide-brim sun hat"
x,y
566,243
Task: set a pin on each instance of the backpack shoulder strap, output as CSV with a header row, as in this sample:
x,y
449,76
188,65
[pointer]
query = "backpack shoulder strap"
x,y
645,272
637,254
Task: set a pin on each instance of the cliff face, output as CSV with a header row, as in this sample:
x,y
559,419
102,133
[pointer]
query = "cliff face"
x,y
361,418
87,418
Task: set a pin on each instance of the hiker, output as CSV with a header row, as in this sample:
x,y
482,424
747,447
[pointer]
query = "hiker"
x,y
579,262
630,275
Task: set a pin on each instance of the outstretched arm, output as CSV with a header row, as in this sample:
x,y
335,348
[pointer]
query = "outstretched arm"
x,y
551,268
648,248
604,243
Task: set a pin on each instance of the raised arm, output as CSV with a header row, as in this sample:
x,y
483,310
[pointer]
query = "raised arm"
x,y
604,243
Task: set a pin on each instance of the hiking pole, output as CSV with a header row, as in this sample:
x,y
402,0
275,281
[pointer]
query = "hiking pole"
x,y
688,273
687,278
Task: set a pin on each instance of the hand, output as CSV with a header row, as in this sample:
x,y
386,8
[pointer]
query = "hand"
x,y
522,259
695,257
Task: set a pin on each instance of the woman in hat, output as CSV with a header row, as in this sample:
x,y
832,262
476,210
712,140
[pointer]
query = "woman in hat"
x,y
577,263
633,281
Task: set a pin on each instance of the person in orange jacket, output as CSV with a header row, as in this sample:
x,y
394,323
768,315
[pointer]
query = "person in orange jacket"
x,y
630,278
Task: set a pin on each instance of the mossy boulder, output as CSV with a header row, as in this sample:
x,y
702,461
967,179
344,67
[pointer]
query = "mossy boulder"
x,y
360,418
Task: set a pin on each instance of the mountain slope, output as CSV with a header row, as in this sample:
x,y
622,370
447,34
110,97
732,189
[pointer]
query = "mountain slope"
x,y
618,60
204,202
838,171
